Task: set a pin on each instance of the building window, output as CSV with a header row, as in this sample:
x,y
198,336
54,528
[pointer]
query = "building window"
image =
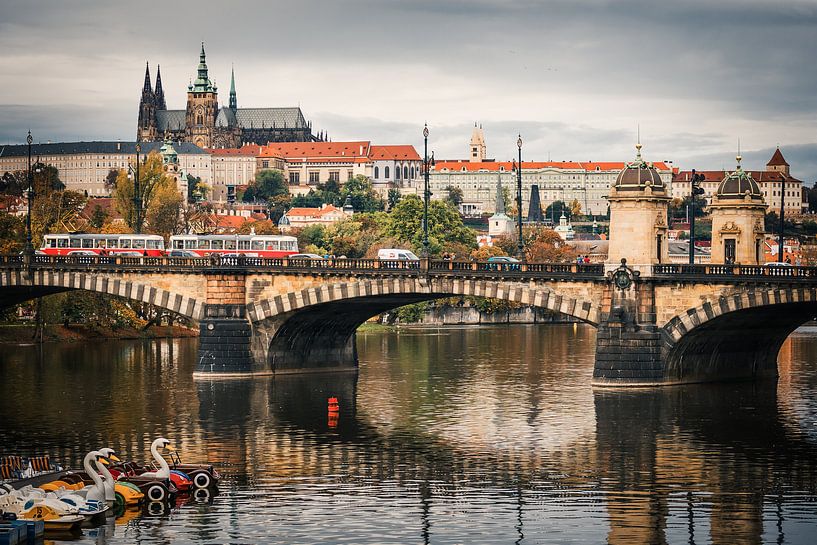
x,y
314,177
729,251
396,173
377,172
386,173
412,173
334,176
350,174
294,178
264,164
405,172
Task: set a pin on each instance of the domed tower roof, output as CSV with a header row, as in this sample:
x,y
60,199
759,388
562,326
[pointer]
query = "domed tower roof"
x,y
639,175
739,185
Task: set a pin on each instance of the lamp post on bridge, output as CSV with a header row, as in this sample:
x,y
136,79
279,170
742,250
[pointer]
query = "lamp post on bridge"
x,y
696,190
426,191
520,246
28,250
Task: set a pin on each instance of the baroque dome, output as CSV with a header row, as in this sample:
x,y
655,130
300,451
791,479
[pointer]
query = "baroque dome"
x,y
639,175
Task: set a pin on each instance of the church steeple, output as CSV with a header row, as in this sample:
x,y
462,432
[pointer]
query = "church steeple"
x,y
147,87
160,94
202,83
233,99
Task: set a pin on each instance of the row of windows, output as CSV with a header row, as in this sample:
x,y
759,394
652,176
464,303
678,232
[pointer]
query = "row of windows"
x,y
408,173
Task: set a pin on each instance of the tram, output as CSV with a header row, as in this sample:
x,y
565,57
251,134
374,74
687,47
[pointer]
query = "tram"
x,y
103,244
246,245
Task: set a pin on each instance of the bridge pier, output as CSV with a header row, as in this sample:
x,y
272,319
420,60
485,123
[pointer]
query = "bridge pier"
x,y
225,338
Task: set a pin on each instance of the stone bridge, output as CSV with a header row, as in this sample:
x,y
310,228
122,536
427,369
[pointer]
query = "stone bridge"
x,y
659,325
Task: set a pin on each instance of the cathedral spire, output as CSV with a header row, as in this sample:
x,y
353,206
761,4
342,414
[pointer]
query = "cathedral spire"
x,y
233,98
160,94
202,83
147,87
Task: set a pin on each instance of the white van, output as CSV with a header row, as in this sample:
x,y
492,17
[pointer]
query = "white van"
x,y
396,253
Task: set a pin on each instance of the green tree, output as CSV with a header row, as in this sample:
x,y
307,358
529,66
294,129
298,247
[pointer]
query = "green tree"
x,y
313,199
555,210
269,183
393,197
445,225
361,194
454,195
312,234
98,217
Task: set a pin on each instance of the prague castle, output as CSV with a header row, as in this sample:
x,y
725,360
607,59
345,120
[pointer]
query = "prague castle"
x,y
207,125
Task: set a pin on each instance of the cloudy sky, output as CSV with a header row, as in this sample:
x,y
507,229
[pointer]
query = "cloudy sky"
x,y
574,77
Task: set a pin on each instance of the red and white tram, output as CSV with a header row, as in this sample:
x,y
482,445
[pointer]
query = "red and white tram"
x,y
104,244
246,245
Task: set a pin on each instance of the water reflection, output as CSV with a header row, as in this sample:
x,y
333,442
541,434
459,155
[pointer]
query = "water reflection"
x,y
489,435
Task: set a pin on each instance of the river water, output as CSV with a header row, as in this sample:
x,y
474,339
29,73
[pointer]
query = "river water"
x,y
455,435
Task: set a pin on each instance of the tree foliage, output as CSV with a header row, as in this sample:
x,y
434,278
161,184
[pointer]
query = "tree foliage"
x,y
445,225
152,181
453,195
361,195
268,183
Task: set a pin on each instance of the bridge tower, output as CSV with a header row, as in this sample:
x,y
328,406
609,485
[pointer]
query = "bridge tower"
x,y
738,211
628,345
638,216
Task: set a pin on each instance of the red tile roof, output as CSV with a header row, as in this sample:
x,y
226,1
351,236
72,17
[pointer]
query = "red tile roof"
x,y
249,149
313,212
777,159
339,150
766,176
394,152
494,166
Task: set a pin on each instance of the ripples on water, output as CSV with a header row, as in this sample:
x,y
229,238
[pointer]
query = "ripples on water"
x,y
471,435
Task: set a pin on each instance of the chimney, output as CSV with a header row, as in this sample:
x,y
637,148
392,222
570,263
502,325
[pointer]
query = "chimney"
x,y
361,149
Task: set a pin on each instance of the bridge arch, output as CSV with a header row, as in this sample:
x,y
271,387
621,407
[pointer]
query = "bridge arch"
x,y
737,336
315,327
17,287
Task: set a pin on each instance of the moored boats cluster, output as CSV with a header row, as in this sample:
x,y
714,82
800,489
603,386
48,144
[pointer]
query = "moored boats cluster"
x,y
41,493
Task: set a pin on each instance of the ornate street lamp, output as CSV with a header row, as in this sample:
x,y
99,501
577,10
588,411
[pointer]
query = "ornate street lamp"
x,y
29,247
137,194
426,192
520,246
696,190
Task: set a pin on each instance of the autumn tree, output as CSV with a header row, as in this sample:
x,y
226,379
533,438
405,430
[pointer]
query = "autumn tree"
x,y
163,215
152,178
545,245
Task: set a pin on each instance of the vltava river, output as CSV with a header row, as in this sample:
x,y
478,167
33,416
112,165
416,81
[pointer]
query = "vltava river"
x,y
469,435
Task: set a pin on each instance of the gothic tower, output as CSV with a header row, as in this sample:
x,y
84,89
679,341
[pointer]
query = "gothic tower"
x,y
202,107
160,94
233,99
147,129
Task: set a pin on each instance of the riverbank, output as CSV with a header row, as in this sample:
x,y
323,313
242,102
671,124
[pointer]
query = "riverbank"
x,y
24,334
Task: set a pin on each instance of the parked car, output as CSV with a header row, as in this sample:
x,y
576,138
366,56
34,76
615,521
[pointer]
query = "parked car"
x,y
128,254
396,253
778,264
81,252
503,263
183,253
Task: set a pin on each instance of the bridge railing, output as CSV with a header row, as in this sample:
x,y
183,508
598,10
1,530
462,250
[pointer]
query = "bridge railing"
x,y
733,271
596,269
